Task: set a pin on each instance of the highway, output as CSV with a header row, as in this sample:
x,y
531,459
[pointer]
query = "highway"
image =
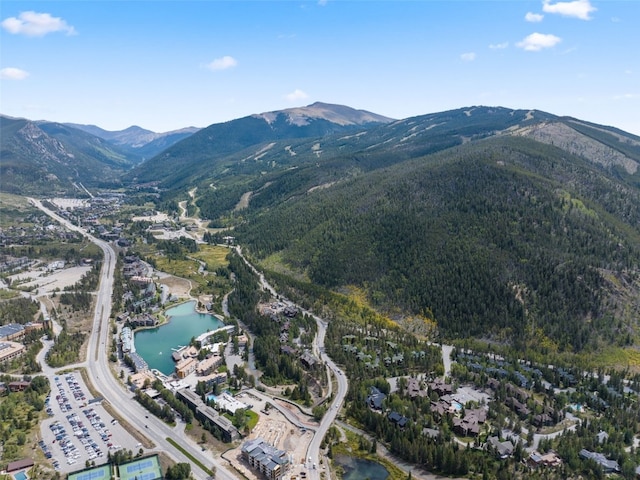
x,y
112,390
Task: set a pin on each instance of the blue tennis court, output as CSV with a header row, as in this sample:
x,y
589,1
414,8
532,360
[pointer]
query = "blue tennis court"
x,y
142,469
91,475
139,466
97,473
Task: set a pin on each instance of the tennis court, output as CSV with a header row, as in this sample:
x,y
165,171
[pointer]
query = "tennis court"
x,y
147,468
103,472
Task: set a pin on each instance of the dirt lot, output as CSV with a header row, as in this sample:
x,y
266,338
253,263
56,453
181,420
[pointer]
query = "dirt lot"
x,y
279,432
158,217
180,287
47,281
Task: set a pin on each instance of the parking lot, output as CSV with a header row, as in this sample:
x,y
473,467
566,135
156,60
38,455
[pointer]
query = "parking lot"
x,y
79,429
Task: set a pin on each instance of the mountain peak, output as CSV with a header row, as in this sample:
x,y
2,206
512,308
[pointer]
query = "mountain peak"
x,y
338,114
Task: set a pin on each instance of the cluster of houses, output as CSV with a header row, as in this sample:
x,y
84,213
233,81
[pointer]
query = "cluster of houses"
x,y
517,399
88,212
15,235
9,263
135,270
367,359
133,267
465,422
275,309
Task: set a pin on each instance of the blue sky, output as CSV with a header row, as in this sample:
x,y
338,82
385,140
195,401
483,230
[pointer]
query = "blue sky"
x,y
165,65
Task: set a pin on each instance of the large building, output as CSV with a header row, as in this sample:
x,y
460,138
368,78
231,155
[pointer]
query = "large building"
x,y
10,350
11,331
265,458
204,413
186,367
228,432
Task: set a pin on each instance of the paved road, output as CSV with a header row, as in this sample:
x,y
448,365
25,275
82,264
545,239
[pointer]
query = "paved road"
x,y
113,390
313,451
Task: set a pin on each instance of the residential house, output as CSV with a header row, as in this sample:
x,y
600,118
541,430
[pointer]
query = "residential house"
x,y
608,466
414,389
400,420
502,449
375,398
440,387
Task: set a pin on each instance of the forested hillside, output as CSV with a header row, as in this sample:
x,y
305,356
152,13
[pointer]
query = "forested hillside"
x,y
44,157
250,144
505,239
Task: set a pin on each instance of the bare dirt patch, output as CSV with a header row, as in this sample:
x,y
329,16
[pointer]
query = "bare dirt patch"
x,y
279,432
180,287
243,202
158,217
46,281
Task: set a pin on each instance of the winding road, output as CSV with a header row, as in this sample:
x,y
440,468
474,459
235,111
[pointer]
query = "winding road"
x,y
313,451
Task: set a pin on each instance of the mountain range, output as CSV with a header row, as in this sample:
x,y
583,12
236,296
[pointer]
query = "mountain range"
x,y
137,142
42,156
511,225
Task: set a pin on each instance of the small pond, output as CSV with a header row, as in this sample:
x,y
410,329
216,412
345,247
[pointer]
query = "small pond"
x,y
360,469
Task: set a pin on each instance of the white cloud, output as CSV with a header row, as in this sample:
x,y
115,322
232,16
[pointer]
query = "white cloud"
x,y
222,63
578,8
322,3
11,73
537,41
34,24
533,17
627,96
296,95
499,46
468,57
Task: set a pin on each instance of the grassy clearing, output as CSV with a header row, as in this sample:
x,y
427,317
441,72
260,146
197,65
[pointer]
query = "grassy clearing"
x,y
253,419
13,210
617,357
181,268
55,250
213,256
8,294
276,264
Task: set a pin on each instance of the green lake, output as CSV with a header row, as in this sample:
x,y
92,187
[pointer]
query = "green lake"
x,y
359,468
156,345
